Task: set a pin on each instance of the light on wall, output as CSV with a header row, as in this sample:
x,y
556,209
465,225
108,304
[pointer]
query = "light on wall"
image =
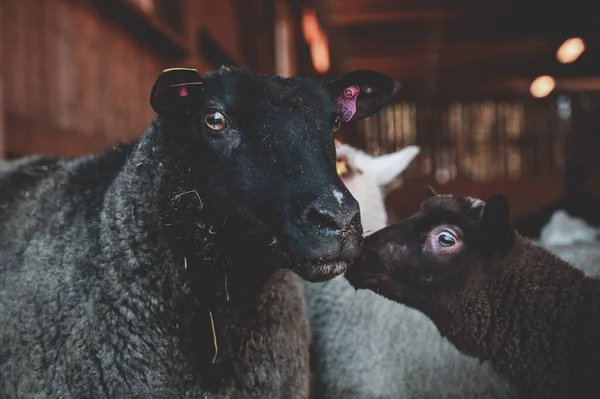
x,y
317,40
542,86
310,25
570,50
319,51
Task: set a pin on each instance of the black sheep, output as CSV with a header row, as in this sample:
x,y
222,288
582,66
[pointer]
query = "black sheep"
x,y
157,269
492,293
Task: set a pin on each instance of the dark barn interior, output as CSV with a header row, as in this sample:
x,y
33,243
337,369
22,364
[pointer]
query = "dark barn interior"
x,y
500,97
467,68
75,76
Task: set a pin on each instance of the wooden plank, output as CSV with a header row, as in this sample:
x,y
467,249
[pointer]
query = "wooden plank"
x,y
2,45
103,50
145,82
528,65
35,96
461,50
68,101
128,70
111,80
143,28
353,17
18,72
89,35
39,138
152,68
139,92
483,29
49,47
120,95
194,21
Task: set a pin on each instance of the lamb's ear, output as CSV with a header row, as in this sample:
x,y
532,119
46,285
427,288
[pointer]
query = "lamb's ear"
x,y
430,191
362,93
176,92
497,232
386,167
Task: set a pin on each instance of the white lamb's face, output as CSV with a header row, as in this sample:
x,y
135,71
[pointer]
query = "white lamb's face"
x,y
365,176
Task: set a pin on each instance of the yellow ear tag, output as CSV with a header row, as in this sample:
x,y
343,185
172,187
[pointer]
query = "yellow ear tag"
x,y
180,69
341,168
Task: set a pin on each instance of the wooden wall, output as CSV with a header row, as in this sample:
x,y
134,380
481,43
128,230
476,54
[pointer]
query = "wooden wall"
x,y
478,147
73,82
78,73
221,21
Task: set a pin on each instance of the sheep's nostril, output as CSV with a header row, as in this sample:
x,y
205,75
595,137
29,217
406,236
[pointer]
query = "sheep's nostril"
x,y
355,222
323,218
325,213
345,232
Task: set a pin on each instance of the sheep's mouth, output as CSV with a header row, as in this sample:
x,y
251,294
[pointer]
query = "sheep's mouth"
x,y
362,277
365,280
318,257
321,271
314,270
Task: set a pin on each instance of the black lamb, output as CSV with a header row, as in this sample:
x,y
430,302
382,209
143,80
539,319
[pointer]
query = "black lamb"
x,y
161,268
492,293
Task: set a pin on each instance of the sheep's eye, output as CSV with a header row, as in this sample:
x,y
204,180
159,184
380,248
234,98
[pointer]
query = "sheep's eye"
x,y
215,121
337,122
446,239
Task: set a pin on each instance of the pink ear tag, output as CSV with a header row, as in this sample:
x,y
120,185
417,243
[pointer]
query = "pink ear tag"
x,y
346,102
183,90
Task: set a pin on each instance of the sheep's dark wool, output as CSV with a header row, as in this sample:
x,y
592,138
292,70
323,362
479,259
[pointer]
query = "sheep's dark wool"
x,y
162,268
492,293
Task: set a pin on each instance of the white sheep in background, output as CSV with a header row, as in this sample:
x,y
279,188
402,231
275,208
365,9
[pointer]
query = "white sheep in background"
x,y
368,347
366,176
563,229
573,240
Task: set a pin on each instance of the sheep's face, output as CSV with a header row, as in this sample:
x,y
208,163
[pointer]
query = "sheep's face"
x,y
263,146
435,255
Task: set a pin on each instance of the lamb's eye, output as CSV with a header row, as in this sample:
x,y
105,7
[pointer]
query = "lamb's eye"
x,y
446,239
337,122
215,121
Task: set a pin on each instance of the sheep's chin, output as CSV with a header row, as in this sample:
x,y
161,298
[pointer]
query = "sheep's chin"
x,y
321,271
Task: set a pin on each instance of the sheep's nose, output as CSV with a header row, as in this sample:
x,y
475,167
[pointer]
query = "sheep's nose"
x,y
335,213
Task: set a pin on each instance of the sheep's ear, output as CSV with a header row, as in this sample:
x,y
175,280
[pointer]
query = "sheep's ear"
x,y
495,227
430,191
386,167
362,93
176,92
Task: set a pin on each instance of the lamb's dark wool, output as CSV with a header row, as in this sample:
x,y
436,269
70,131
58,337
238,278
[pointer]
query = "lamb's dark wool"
x,y
494,294
152,270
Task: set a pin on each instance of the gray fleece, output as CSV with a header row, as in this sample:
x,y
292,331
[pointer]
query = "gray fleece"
x,y
369,347
94,304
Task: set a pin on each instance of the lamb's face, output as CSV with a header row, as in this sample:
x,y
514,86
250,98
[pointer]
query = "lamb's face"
x,y
430,257
363,187
366,177
267,145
